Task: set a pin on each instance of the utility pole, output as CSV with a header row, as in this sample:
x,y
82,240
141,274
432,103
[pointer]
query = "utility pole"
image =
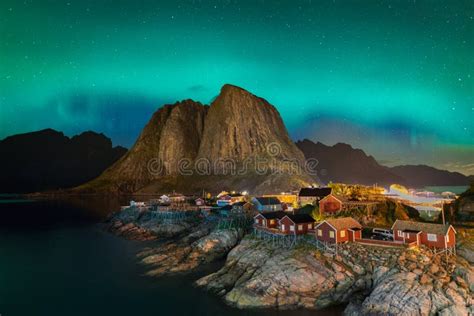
x,y
442,213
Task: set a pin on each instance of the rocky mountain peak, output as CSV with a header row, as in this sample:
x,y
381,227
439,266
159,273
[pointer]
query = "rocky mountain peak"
x,y
236,126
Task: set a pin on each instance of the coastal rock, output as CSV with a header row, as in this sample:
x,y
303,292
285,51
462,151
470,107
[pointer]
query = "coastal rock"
x,y
257,275
183,256
405,293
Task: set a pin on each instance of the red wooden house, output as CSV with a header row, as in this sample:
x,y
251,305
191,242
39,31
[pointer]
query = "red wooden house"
x,y
298,224
338,230
331,204
268,219
428,234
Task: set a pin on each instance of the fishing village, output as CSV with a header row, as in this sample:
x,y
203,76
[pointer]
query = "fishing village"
x,y
315,215
312,248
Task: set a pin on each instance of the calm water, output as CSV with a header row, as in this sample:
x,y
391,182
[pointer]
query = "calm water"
x,y
55,259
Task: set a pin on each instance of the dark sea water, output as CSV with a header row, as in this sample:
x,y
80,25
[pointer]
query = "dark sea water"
x,y
56,259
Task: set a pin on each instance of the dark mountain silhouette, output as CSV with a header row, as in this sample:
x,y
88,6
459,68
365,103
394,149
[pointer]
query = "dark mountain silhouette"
x,y
224,138
46,160
342,163
422,175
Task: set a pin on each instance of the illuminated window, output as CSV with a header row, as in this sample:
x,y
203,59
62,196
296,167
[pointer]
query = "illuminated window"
x,y
432,237
256,221
331,234
400,233
343,233
300,227
320,232
309,226
447,238
292,228
272,221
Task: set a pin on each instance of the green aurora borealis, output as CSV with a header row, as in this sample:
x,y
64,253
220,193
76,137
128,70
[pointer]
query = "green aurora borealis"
x,y
395,78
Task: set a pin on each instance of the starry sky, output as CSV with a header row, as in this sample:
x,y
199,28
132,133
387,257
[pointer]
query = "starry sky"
x,y
394,78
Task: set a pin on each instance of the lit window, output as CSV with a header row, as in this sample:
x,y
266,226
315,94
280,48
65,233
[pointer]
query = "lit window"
x,y
320,232
283,227
292,228
408,235
309,226
343,233
272,221
400,233
256,221
300,227
432,237
447,238
331,234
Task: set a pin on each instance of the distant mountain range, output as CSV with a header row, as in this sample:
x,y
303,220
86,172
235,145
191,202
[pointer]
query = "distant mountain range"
x,y
342,163
191,147
48,160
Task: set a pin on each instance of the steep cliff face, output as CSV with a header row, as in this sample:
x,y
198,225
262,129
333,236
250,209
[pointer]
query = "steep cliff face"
x,y
241,125
174,132
238,126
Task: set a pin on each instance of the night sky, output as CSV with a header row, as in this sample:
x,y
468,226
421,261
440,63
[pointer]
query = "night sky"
x,y
395,78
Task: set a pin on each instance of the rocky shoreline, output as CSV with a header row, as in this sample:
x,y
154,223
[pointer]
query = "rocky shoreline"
x,y
370,280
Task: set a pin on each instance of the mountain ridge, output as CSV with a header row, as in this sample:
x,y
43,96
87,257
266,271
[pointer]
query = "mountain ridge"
x,y
49,160
338,161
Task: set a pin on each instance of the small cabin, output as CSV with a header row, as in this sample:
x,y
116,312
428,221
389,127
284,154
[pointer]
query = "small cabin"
x,y
267,204
237,197
428,234
241,207
177,198
338,230
298,224
200,202
224,200
312,195
331,204
268,219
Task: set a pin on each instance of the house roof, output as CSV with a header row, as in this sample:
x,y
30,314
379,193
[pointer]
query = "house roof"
x,y
268,200
301,218
316,192
431,228
241,203
343,223
339,197
273,215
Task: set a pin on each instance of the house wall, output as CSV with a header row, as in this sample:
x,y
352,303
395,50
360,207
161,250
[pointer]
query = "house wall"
x,y
330,205
395,235
272,223
452,238
304,200
326,228
287,222
439,243
259,220
409,237
354,234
